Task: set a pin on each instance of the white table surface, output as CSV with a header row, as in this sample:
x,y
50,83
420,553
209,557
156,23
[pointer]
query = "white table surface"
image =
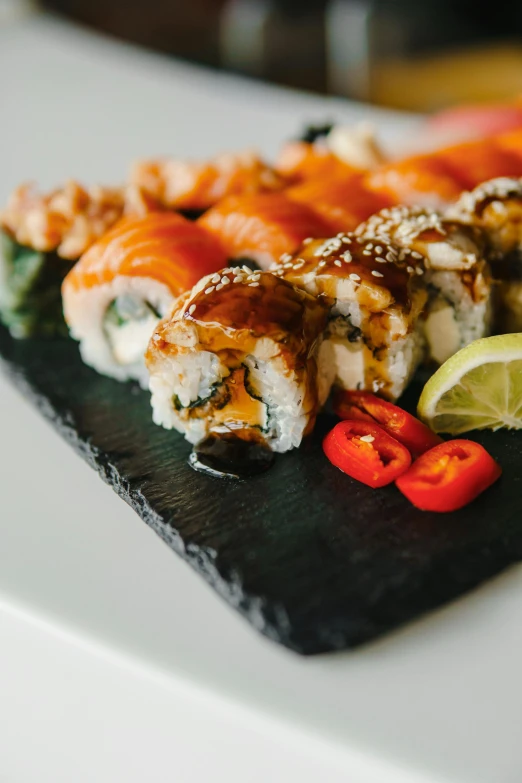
x,y
116,661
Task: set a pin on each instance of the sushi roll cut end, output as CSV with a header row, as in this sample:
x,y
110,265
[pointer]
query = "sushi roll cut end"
x,y
237,356
115,295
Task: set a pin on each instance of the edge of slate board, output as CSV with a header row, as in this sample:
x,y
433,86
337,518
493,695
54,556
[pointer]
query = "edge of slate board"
x,y
339,631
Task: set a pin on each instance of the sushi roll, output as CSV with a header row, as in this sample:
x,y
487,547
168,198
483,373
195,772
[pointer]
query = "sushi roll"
x,y
236,355
424,180
330,152
451,255
120,288
373,340
495,208
41,237
194,187
262,227
342,203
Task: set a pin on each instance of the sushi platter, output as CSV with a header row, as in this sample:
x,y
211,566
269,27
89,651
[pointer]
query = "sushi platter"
x,y
245,306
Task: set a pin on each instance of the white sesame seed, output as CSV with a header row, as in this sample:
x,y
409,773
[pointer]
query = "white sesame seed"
x,y
219,287
255,278
366,253
308,240
321,263
410,270
238,279
191,309
375,273
246,269
378,249
287,265
380,260
347,256
216,279
420,270
209,290
253,285
286,257
337,262
225,280
367,438
416,255
353,276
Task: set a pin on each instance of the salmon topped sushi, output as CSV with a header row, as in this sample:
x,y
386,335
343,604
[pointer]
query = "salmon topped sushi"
x,y
330,152
342,203
196,186
236,356
262,227
41,236
422,180
452,256
373,339
120,288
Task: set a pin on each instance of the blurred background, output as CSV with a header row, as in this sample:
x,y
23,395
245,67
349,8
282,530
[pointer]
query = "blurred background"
x,y
405,54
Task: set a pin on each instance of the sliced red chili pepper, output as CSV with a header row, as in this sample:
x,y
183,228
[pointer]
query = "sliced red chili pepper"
x,y
366,453
449,476
402,426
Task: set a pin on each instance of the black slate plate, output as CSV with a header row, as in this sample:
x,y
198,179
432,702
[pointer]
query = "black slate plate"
x,y
312,559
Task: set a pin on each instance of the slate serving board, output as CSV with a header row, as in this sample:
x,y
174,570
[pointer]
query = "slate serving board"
x,y
312,559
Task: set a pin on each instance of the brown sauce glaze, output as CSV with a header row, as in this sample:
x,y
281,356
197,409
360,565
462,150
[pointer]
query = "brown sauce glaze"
x,y
226,455
377,277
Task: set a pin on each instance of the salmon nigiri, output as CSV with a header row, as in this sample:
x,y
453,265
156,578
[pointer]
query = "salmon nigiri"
x,y
120,288
263,227
196,186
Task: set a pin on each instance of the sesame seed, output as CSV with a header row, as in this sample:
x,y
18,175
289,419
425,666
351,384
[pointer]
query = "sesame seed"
x,y
353,276
378,249
308,240
375,273
420,270
287,265
286,257
416,255
191,309
337,262
256,277
246,269
209,290
238,279
347,256
366,253
380,260
321,263
225,280
216,279
367,438
219,287
410,270
253,285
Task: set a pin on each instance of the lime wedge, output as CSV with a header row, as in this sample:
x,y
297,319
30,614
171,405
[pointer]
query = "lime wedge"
x,y
478,388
